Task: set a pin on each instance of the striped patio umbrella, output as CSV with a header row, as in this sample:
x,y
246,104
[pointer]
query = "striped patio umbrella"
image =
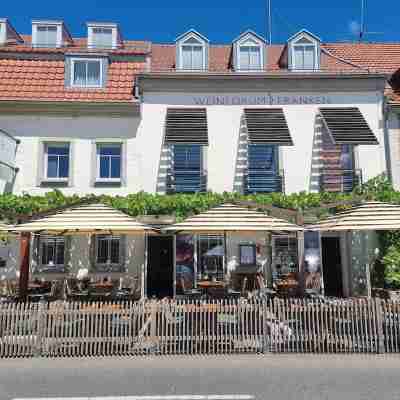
x,y
233,218
369,216
85,219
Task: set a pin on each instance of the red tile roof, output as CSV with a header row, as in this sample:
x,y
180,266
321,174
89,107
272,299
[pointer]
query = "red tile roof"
x,y
33,77
163,59
44,80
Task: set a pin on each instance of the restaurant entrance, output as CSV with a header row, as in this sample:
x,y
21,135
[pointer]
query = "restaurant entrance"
x,y
332,266
160,266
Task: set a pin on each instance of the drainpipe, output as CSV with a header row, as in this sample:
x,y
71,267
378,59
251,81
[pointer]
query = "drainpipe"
x,y
387,146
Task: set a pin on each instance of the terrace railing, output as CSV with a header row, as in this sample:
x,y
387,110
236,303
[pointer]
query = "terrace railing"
x,y
199,327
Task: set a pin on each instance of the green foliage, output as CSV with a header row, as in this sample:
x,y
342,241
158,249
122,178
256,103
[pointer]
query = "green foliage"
x,y
14,207
391,261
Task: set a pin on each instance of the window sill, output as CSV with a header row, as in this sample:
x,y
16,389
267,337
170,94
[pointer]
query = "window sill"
x,y
107,182
54,182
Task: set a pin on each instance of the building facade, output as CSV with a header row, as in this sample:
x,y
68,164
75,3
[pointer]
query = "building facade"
x,y
105,115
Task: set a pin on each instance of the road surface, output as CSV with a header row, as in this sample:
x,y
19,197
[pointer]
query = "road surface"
x,y
244,377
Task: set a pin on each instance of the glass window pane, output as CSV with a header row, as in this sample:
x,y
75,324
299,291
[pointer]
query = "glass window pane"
x,y
60,252
93,74
52,167
48,253
46,35
244,58
58,150
102,37
298,57
109,150
255,59
346,157
102,250
80,73
309,61
187,57
197,57
211,256
114,259
63,167
115,167
104,167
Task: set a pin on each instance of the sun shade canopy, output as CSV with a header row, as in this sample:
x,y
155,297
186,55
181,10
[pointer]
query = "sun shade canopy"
x,y
371,216
229,217
94,218
347,125
186,126
267,126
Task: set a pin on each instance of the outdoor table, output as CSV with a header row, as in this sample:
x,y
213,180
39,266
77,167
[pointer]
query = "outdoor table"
x,y
206,285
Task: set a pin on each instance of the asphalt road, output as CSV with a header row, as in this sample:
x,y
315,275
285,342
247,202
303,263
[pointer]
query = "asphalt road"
x,y
275,377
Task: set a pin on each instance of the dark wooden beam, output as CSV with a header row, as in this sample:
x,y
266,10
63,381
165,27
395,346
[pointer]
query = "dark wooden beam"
x,y
25,239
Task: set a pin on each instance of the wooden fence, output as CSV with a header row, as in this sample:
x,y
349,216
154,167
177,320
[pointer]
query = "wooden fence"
x,y
198,327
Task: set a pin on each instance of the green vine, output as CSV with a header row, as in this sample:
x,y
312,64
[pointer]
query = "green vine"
x,y
15,207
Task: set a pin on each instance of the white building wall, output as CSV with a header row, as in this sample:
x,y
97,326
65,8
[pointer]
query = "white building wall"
x,y
224,129
143,138
81,132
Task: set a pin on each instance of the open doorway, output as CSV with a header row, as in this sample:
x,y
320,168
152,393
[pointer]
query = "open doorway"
x,y
160,266
332,266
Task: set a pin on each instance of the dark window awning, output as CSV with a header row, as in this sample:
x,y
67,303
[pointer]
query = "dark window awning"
x,y
347,125
267,126
186,126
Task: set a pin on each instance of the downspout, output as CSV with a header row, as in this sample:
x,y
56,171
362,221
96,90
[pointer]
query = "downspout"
x,y
386,136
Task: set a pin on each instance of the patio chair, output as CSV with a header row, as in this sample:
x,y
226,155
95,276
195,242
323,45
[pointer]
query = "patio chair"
x,y
72,292
36,296
190,292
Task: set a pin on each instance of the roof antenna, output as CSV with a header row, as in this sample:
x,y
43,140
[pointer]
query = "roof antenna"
x,y
269,22
363,31
362,25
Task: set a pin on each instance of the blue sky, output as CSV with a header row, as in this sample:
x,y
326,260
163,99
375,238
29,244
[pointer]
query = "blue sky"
x,y
219,20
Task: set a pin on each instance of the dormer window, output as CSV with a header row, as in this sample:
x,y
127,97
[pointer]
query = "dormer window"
x,y
304,52
49,34
46,36
103,36
192,52
249,50
7,33
250,57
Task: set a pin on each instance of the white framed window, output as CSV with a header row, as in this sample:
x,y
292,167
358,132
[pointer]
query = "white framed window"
x,y
250,57
86,72
51,254
102,37
192,54
57,161
108,253
304,55
109,156
46,36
